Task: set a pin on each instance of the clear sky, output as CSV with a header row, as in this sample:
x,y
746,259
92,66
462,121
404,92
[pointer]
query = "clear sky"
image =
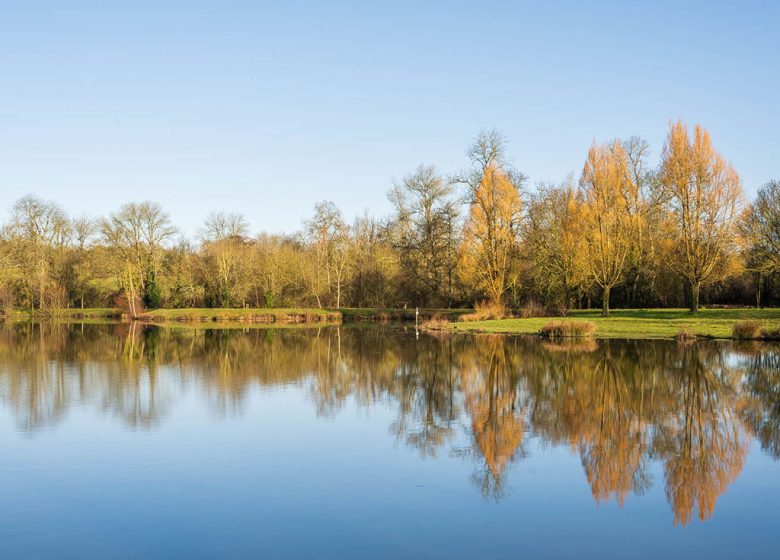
x,y
267,108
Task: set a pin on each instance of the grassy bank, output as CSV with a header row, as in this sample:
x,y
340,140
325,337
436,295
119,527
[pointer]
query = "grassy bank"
x,y
65,314
636,323
381,314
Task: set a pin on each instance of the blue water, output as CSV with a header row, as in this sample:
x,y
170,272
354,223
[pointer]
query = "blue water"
x,y
374,443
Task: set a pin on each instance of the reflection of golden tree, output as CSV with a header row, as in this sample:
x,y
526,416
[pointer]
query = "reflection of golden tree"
x,y
760,405
490,394
706,447
613,441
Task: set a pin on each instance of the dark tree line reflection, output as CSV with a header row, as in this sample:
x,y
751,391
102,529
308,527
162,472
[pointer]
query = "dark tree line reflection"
x,y
620,406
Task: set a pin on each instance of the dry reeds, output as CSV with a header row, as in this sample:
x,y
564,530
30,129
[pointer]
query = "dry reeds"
x,y
485,311
568,329
747,330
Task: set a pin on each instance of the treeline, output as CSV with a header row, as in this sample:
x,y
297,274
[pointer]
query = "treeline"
x,y
629,232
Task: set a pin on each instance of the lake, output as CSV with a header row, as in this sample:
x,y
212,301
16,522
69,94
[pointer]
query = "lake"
x,y
123,441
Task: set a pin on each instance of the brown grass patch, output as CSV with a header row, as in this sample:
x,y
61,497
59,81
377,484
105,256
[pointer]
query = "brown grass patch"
x,y
685,334
747,330
436,323
485,311
568,329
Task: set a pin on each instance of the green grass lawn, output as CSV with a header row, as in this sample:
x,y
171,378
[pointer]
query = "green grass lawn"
x,y
637,323
391,314
68,313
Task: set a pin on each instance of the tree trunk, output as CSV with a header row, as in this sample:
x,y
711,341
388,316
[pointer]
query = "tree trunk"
x,y
695,288
605,301
759,284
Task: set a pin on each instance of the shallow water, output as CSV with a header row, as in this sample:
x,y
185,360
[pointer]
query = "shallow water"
x,y
125,442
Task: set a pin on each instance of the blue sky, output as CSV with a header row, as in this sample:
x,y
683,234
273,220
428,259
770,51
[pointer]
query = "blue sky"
x,y
267,108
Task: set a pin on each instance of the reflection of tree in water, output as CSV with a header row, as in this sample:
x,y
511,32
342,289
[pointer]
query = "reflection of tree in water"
x,y
618,405
702,443
613,439
489,382
45,369
425,389
761,398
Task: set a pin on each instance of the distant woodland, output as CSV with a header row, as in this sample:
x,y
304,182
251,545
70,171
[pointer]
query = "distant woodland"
x,y
630,231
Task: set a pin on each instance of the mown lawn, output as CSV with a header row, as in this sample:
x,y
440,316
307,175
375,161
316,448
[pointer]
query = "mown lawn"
x,y
637,323
67,313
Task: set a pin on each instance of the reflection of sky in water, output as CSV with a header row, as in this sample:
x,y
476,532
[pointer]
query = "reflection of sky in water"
x,y
317,451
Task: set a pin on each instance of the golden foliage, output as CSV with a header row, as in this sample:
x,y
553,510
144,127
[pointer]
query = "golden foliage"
x,y
490,233
705,194
607,187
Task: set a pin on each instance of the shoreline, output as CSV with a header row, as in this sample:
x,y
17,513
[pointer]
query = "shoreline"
x,y
635,324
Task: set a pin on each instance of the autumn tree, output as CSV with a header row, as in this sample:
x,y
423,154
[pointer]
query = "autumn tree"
x,y
224,240
760,228
490,235
375,264
80,270
138,233
554,235
38,233
705,192
424,234
648,217
605,185
281,271
328,235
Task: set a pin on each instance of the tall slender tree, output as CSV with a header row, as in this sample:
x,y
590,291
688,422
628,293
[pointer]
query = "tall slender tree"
x,y
605,185
705,194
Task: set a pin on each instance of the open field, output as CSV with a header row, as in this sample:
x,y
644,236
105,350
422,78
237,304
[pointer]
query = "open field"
x,y
636,323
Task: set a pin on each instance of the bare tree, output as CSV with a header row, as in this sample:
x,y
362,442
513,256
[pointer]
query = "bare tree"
x,y
424,234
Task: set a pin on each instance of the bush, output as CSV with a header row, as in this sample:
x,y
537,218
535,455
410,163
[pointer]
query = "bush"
x,y
436,322
746,330
568,329
152,297
484,311
771,333
533,309
685,334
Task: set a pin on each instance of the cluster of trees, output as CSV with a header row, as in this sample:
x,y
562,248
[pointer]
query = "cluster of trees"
x,y
628,232
622,408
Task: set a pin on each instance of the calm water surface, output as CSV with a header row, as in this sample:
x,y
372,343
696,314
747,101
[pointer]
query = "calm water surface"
x,y
124,442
